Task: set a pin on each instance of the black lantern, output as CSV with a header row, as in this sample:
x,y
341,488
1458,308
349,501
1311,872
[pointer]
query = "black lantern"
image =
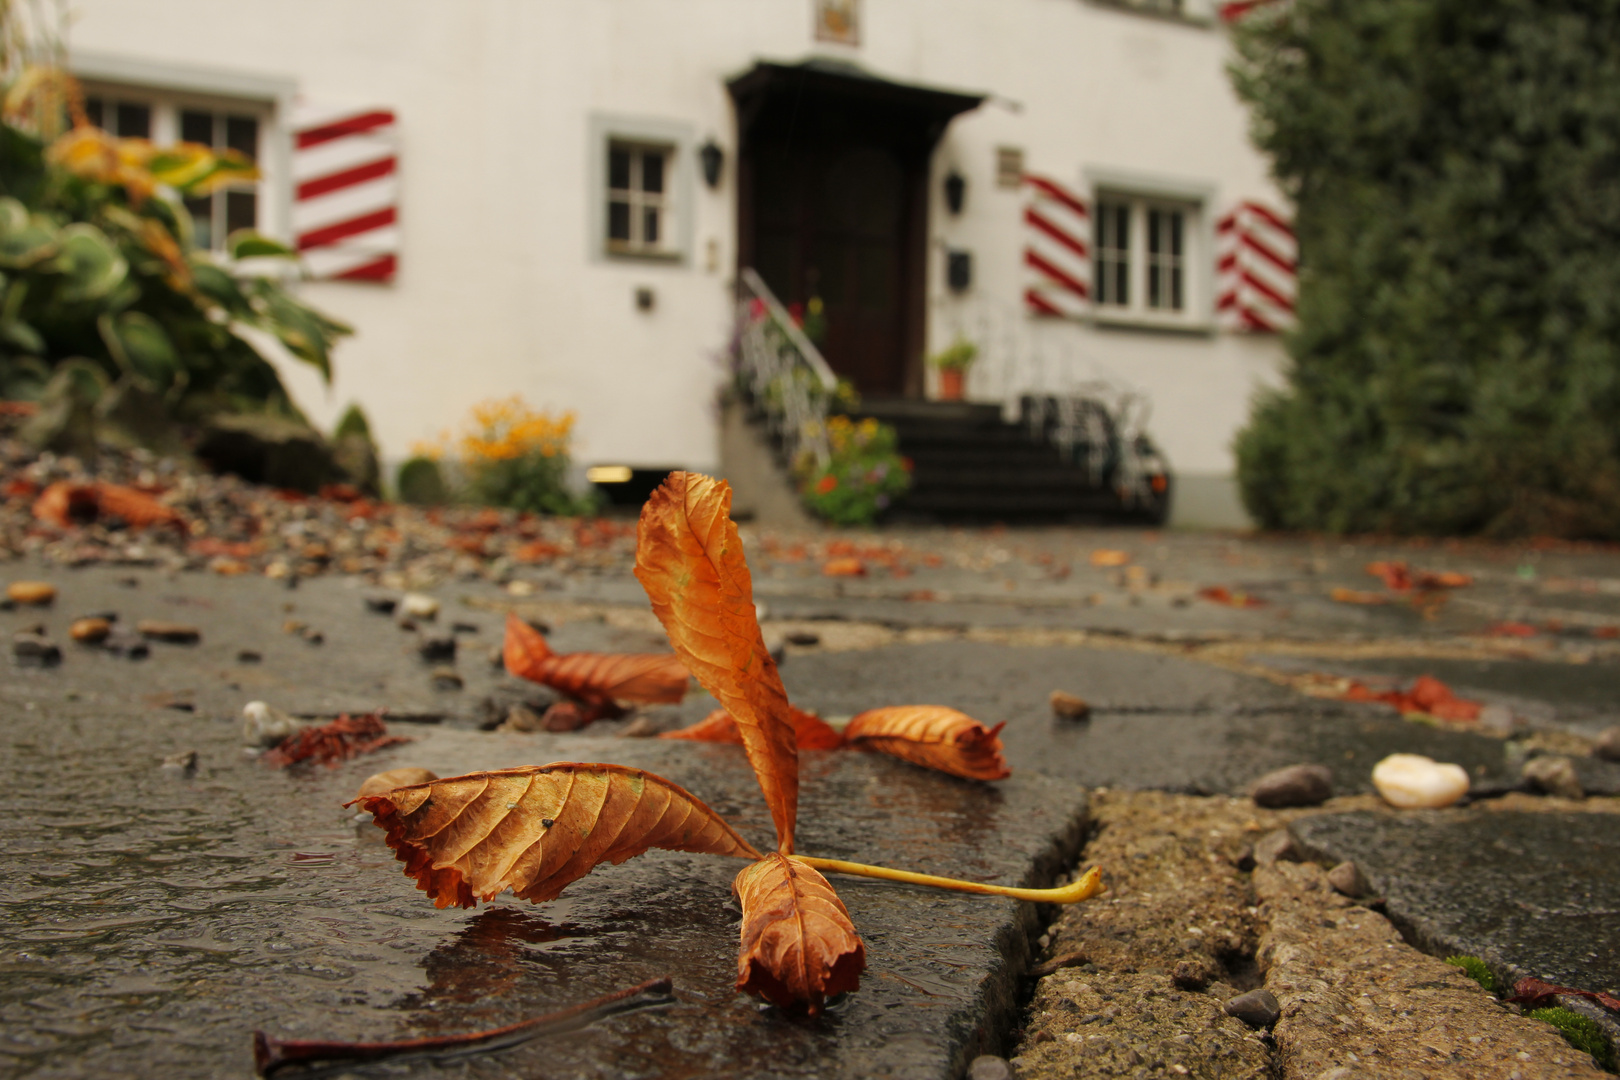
x,y
955,191
711,157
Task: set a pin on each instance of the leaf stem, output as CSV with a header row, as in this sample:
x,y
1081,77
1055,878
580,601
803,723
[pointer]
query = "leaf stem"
x,y
1088,885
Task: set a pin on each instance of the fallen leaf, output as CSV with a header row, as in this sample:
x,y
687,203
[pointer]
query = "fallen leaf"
x,y
848,566
1511,629
270,1055
1109,557
798,944
1398,576
1356,596
344,738
1220,594
809,730
934,737
388,780
690,560
1533,993
66,504
536,829
1428,696
594,678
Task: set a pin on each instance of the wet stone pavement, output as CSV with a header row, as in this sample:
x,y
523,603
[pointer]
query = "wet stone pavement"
x,y
153,917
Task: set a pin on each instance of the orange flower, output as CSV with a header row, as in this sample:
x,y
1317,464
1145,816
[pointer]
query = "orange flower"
x,y
826,484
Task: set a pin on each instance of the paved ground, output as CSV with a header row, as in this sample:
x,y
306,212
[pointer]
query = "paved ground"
x,y
158,917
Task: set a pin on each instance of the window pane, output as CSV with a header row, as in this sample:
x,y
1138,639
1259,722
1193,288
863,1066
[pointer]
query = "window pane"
x,y
202,220
1155,276
1122,227
197,127
241,210
1122,293
1175,288
618,221
94,110
619,168
652,171
1175,235
134,121
649,226
242,135
1154,219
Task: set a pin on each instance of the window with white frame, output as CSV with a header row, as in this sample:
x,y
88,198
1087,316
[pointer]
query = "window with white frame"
x,y
166,119
1142,257
640,209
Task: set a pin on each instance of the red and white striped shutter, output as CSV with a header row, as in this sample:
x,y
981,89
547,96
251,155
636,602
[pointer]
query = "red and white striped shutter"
x,y
345,210
1256,269
1057,249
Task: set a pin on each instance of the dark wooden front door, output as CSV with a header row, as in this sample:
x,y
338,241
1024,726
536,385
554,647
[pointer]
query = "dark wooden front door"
x,y
830,223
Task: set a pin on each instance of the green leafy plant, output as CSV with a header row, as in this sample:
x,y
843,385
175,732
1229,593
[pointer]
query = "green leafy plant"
x,y
513,456
97,262
957,356
862,476
421,483
1457,363
1475,969
1581,1032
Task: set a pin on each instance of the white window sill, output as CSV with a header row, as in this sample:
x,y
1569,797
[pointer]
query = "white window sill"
x,y
1126,320
634,255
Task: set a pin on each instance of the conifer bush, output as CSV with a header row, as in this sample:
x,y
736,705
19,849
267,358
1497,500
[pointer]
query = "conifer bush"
x,y
1457,363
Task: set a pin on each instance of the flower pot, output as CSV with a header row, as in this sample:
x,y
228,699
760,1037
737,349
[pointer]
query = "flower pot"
x,y
950,383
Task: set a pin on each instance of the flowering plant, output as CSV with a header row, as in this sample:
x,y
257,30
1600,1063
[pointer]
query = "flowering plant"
x,y
864,472
516,457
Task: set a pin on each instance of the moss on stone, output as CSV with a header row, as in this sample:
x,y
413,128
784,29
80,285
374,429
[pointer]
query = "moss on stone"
x,y
1475,969
1581,1032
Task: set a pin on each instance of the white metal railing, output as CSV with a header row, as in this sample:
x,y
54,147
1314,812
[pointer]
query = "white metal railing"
x,y
782,373
1050,382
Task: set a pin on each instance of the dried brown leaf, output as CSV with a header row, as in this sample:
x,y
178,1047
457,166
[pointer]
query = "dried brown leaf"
x,y
932,736
536,829
810,732
798,944
690,560
594,678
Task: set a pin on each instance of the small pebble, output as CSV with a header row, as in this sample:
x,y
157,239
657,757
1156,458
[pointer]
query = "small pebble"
x,y
90,631
378,783
1296,785
1190,975
265,725
1277,846
1553,775
1607,745
1347,878
183,762
803,637
172,632
1257,1008
437,648
36,593
1070,706
989,1067
446,678
464,628
1412,781
30,650
128,646
419,606
313,636
642,727
381,605
248,656
521,718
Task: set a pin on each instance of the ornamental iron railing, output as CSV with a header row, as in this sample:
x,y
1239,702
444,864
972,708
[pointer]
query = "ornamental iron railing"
x,y
780,373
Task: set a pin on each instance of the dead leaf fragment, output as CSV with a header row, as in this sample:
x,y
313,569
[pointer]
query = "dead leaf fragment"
x,y
1069,706
690,560
1533,993
379,783
1220,594
934,737
65,504
1357,596
536,829
344,738
1109,557
810,731
1428,696
34,593
594,678
798,944
1398,576
847,566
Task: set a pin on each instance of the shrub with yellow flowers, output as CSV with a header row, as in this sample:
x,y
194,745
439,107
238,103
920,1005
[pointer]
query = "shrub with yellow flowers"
x,y
511,455
863,474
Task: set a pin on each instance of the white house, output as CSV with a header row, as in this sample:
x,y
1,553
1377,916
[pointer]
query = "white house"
x,y
555,198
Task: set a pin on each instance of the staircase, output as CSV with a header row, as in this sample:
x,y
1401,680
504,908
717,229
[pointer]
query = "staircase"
x,y
969,465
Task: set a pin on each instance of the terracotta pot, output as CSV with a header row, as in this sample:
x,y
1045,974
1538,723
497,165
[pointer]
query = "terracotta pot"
x,y
950,383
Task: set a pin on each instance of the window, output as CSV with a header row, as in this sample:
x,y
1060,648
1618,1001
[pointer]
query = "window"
x,y
1141,264
1009,166
639,211
141,114
1157,7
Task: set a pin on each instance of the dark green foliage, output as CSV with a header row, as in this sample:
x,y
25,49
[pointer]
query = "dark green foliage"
x,y
1581,1032
532,482
1457,365
421,483
1475,968
352,422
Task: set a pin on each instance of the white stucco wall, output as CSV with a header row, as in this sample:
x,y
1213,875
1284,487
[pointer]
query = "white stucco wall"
x,y
498,290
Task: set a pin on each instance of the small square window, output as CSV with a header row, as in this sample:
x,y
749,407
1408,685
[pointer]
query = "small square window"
x,y
638,202
1009,166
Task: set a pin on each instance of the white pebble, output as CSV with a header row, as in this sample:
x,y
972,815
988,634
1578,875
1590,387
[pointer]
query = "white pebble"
x,y
1411,781
418,606
265,725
